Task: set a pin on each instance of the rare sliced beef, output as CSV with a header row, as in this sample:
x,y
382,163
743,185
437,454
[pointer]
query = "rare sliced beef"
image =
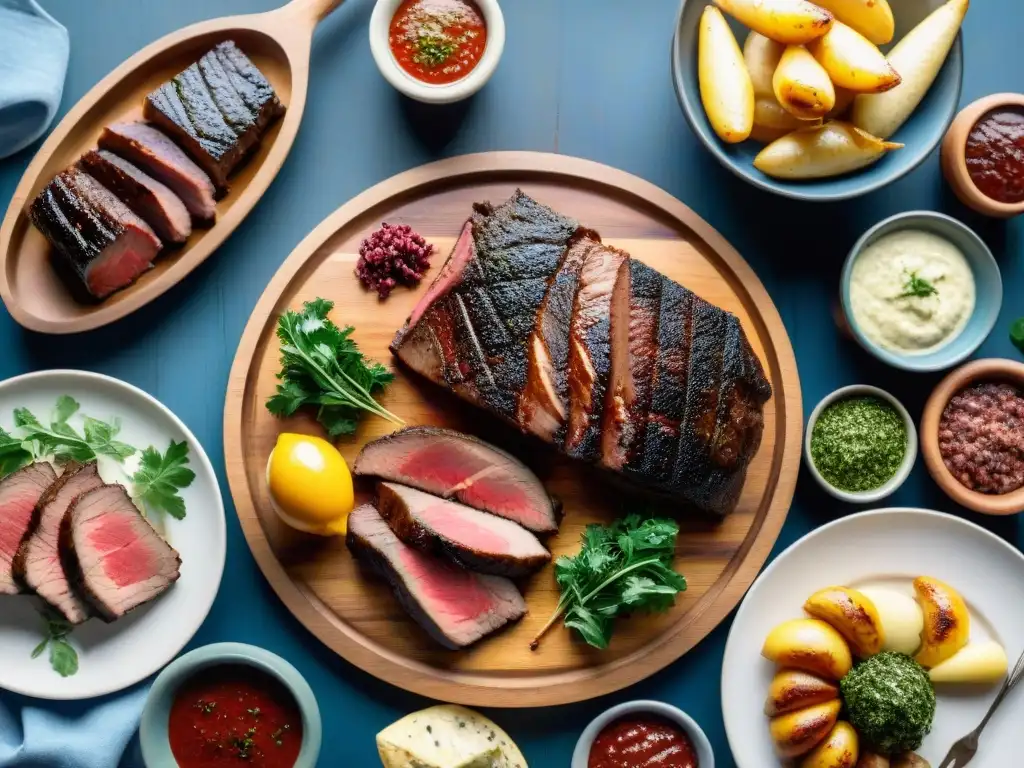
x,y
19,497
111,553
38,563
455,466
453,605
147,197
99,244
473,539
217,109
158,156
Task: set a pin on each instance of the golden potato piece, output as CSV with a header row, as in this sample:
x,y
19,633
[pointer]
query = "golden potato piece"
x,y
772,122
909,760
947,622
792,22
871,760
762,55
839,749
802,85
852,61
792,689
809,645
975,663
831,150
853,614
725,87
872,18
844,99
797,733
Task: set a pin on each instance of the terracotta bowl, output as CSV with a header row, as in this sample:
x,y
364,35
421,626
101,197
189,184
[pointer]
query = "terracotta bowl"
x,y
954,161
978,371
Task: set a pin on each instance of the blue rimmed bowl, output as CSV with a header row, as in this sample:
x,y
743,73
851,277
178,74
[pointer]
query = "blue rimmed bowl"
x,y
988,290
921,134
156,749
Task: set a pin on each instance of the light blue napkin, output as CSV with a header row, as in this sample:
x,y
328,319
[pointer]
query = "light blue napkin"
x,y
33,61
97,733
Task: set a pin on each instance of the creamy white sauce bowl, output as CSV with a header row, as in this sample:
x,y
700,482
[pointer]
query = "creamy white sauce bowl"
x,y
447,93
988,286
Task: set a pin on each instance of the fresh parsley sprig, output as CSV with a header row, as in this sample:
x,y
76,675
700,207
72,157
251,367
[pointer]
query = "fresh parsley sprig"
x,y
160,477
621,568
13,453
63,441
323,367
63,656
916,286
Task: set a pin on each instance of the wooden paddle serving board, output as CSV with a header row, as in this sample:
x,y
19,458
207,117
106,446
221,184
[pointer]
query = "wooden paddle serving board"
x,y
355,613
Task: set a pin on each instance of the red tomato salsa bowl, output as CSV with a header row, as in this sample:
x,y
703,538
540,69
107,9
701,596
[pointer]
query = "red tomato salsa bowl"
x,y
229,703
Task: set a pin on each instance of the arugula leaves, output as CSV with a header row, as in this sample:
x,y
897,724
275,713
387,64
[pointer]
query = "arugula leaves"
x,y
621,568
63,656
321,366
159,479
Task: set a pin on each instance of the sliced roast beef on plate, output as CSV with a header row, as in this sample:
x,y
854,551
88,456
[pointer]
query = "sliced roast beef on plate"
x,y
112,554
19,495
461,467
473,539
38,562
454,606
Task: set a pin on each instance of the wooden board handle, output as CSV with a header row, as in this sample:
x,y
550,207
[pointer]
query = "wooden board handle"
x,y
313,11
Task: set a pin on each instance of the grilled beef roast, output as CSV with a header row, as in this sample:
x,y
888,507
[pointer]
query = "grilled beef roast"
x,y
455,466
111,553
648,380
147,197
473,539
19,496
217,109
454,606
38,563
149,149
100,245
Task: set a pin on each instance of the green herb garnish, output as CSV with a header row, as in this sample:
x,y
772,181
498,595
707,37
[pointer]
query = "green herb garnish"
x,y
433,51
63,441
322,366
1016,336
160,477
917,287
858,444
622,568
63,657
13,453
890,701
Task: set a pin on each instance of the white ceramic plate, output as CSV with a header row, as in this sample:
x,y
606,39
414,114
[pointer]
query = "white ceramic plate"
x,y
115,656
887,547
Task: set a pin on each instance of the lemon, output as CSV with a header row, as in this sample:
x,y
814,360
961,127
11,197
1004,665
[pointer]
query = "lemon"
x,y
310,485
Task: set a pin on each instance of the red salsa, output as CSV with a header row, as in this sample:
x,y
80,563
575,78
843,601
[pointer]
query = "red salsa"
x,y
645,742
438,41
995,155
235,716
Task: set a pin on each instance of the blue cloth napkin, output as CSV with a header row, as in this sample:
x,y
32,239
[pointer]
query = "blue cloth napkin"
x,y
97,733
33,62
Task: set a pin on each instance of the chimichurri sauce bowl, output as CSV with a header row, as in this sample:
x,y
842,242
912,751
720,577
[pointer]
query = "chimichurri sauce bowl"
x,y
229,704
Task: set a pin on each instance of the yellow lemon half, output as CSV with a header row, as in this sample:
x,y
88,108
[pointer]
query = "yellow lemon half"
x,y
310,485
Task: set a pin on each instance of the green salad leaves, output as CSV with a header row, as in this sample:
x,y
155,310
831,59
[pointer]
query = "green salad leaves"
x,y
160,477
622,568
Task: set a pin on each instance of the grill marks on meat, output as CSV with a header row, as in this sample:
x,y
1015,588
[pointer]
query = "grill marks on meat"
x,y
38,562
453,605
217,109
475,540
19,497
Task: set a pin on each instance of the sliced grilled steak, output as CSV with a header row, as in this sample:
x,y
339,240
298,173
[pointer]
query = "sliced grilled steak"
x,y
100,246
19,495
217,109
149,149
454,606
147,197
111,553
452,465
473,539
38,563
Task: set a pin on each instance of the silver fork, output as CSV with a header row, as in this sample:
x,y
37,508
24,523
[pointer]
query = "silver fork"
x,y
964,750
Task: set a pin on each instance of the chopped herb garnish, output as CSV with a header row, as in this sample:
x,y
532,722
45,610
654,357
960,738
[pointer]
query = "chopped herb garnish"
x,y
433,51
858,444
916,286
63,657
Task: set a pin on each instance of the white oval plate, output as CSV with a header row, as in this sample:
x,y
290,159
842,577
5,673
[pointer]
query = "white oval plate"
x,y
115,656
885,547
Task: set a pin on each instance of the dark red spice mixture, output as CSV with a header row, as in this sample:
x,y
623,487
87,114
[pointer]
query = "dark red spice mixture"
x,y
981,437
393,255
995,155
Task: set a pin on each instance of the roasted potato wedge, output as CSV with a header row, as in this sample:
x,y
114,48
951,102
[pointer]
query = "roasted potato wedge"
x,y
844,99
872,18
872,760
792,689
833,149
725,87
853,614
947,622
840,749
809,645
797,733
762,57
909,760
802,85
982,663
793,22
852,61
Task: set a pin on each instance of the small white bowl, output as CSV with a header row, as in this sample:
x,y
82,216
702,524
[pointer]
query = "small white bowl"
x,y
864,497
380,29
701,745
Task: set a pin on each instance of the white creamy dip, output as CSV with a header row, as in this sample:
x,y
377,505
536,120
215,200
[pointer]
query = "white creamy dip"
x,y
909,262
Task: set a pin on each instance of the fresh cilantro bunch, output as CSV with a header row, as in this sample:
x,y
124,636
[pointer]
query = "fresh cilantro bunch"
x,y
621,568
321,366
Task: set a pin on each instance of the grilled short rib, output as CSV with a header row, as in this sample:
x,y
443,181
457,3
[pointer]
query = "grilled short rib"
x,y
20,492
647,379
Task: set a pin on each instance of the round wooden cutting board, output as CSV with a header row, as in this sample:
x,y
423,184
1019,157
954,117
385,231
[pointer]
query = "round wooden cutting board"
x,y
355,613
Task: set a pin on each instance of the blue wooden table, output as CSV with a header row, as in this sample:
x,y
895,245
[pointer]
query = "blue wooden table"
x,y
580,77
